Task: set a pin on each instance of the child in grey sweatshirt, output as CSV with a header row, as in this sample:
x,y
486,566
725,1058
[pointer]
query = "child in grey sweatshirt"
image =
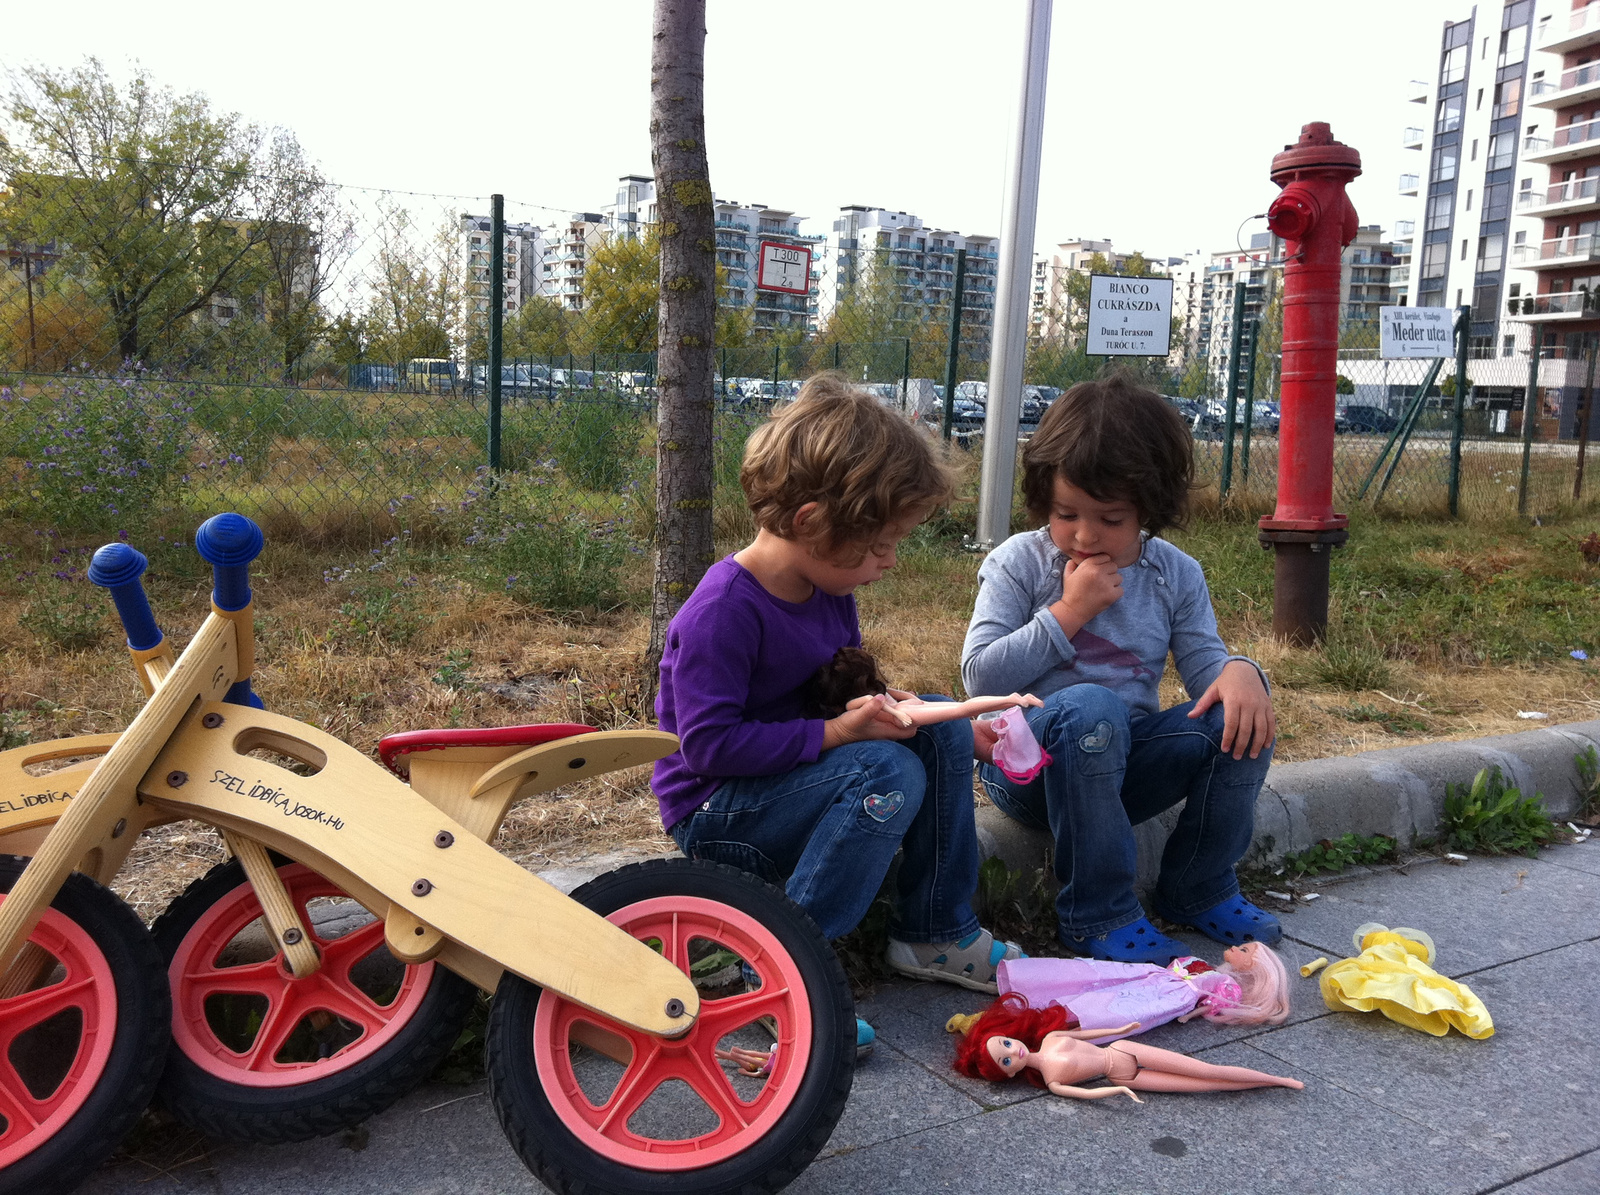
x,y
1083,612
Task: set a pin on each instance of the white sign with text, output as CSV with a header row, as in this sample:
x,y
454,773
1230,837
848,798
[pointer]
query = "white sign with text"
x,y
1417,331
784,267
1129,317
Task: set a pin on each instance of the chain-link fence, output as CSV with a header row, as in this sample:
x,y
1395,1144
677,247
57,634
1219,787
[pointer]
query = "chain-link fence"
x,y
176,339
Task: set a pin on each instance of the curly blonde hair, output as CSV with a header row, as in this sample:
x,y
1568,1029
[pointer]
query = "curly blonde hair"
x,y
864,465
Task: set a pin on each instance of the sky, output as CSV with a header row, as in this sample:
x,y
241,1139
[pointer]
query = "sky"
x,y
1160,125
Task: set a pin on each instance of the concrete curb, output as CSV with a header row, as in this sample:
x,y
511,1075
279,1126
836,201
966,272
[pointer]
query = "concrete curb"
x,y
1398,792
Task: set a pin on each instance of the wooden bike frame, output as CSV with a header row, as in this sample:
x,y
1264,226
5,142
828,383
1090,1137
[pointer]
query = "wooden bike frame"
x,y
418,856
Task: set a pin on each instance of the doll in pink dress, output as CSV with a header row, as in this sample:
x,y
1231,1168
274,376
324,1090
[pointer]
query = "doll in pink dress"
x,y
1251,987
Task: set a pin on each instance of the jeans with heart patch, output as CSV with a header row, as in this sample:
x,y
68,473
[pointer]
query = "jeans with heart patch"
x,y
828,831
1107,774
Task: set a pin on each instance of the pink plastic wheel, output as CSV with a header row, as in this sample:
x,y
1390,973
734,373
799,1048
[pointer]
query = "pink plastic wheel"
x,y
55,1039
780,1003
330,1005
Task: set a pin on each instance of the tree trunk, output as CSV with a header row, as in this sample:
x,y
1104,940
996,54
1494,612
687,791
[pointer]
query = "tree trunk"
x,y
687,310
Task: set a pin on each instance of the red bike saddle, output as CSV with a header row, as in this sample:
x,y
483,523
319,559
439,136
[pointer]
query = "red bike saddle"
x,y
394,748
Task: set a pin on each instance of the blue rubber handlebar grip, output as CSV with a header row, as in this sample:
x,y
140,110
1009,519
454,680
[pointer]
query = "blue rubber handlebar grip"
x,y
228,543
119,568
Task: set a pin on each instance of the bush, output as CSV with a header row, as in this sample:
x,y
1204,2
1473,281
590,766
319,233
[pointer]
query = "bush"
x,y
66,612
595,441
560,560
98,452
1490,817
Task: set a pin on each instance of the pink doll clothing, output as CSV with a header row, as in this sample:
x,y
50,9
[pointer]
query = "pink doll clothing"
x,y
1107,994
1016,752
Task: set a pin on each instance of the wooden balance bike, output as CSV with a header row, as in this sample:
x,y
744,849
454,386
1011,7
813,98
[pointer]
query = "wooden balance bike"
x,y
323,970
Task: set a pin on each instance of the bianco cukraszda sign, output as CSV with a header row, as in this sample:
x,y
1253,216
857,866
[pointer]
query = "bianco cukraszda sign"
x,y
1417,331
1129,317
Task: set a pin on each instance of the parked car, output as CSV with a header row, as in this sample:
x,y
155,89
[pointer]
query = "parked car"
x,y
977,392
1370,420
1265,417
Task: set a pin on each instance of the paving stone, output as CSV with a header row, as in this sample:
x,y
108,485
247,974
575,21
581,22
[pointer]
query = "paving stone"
x,y
1525,1096
425,1145
1580,858
893,1095
1323,1139
1480,914
1580,1176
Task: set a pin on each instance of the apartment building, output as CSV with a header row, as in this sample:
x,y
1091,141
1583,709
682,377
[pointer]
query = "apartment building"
x,y
921,263
524,252
1475,235
1260,272
567,247
740,230
1562,143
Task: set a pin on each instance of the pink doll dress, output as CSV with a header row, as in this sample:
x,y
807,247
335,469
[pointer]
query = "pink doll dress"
x,y
1016,752
1110,995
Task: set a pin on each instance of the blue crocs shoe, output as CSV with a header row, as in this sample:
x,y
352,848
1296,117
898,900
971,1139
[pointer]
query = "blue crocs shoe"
x,y
865,1039
1137,942
1233,922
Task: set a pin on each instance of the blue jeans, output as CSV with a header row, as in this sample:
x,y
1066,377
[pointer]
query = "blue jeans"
x,y
1109,774
831,829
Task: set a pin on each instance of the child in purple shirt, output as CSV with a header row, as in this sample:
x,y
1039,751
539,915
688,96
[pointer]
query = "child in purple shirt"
x,y
835,481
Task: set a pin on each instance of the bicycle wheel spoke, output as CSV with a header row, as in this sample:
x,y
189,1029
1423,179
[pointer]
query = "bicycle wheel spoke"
x,y
720,1017
342,953
710,1082
21,1013
264,979
283,1016
16,1103
350,1003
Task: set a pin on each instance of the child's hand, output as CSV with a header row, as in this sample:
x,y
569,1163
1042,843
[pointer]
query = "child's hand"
x,y
1088,586
862,723
983,740
1248,723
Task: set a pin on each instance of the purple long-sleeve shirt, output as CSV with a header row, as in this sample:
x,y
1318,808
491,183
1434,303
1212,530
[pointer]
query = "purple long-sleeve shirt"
x,y
735,661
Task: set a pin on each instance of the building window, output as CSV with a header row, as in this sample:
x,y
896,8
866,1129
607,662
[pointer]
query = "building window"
x,y
1508,346
1501,151
1468,206
1444,163
1439,211
1463,248
1491,253
1435,260
1453,65
1497,201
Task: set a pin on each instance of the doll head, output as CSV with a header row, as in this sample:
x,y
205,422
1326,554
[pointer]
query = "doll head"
x,y
1008,1018
1263,987
850,674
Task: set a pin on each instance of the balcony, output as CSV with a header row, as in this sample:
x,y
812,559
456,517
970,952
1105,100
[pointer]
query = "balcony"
x,y
1575,86
1411,139
1563,308
1565,32
1408,184
1400,276
1570,142
1417,91
1559,199
1557,253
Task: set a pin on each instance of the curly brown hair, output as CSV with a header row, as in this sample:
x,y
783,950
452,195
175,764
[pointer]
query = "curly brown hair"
x,y
864,465
1118,442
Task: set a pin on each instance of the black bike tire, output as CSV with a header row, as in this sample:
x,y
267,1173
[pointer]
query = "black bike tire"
x,y
139,1045
299,1112
566,1165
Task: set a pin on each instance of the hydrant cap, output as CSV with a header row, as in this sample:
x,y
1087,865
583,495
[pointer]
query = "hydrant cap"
x,y
1316,150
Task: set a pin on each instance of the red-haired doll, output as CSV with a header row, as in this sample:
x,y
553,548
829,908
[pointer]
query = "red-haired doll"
x,y
1010,1038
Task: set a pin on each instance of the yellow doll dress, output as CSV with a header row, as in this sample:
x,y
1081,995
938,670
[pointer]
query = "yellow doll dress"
x,y
1391,975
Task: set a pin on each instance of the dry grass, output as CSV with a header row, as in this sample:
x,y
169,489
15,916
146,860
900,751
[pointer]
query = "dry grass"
x,y
474,657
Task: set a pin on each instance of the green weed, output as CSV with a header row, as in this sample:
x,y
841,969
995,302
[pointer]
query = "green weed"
x,y
1014,905
66,613
452,673
1392,721
1337,854
14,730
1588,764
560,562
1490,817
464,1063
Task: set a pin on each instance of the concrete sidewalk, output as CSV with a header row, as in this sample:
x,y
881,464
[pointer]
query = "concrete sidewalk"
x,y
1385,1109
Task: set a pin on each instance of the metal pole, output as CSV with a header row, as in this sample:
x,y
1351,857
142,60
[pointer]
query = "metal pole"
x,y
1458,408
1585,417
497,283
33,343
953,353
1407,417
1249,402
1530,417
775,351
1010,333
905,375
1233,384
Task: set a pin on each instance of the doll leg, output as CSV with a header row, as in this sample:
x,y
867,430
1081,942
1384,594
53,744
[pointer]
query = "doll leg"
x,y
1167,1070
1160,1081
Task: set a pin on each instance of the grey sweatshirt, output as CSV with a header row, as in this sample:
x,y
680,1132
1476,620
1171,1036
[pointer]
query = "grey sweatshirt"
x,y
1014,643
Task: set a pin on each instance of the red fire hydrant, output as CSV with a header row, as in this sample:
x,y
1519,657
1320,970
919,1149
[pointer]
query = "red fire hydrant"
x,y
1316,219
